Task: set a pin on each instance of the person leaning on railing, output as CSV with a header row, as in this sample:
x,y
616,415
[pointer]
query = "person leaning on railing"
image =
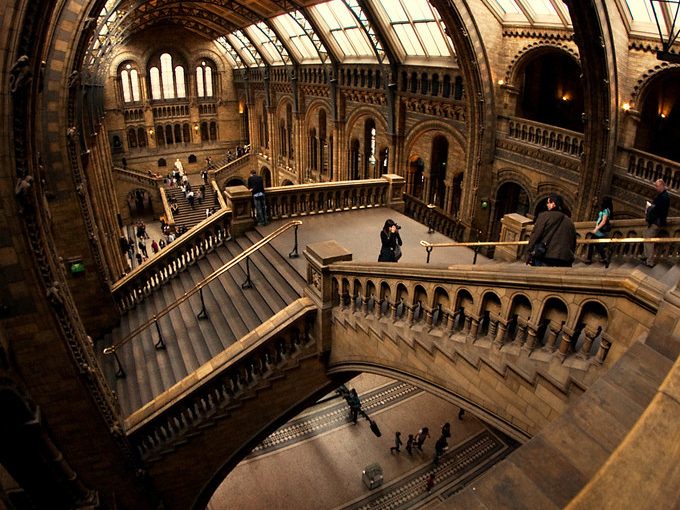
x,y
656,213
553,241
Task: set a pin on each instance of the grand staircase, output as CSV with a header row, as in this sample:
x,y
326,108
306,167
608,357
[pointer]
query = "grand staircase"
x,y
188,216
189,342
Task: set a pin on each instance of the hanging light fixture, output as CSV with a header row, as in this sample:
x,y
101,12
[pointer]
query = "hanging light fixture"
x,y
667,13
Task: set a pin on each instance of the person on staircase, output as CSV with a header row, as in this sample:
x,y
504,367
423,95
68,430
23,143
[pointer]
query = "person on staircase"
x,y
256,187
553,241
656,213
603,228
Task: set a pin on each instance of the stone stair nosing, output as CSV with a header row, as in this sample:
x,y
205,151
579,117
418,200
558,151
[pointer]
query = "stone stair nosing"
x,y
214,329
252,308
286,269
264,264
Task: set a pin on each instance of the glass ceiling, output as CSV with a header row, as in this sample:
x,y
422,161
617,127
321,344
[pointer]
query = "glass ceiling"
x,y
411,28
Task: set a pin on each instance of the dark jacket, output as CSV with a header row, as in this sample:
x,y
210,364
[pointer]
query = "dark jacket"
x,y
658,211
256,184
388,241
560,239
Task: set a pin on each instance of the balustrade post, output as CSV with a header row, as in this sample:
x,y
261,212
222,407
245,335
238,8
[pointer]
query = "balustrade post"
x,y
356,303
240,201
395,310
378,313
493,327
500,334
366,300
395,192
565,344
532,337
520,334
450,322
410,314
589,338
429,317
553,331
605,345
474,329
467,325
513,228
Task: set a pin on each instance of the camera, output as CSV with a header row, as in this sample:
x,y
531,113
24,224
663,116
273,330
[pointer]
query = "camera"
x,y
398,226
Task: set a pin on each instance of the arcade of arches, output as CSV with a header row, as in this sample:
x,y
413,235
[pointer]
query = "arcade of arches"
x,y
483,108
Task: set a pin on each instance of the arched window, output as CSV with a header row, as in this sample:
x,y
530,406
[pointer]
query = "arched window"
x,y
160,136
204,80
155,78
179,80
132,138
129,79
167,76
213,131
141,137
186,134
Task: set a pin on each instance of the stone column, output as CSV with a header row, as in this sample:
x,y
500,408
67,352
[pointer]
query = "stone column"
x,y
474,329
378,312
589,335
320,285
553,331
531,339
520,333
565,344
500,334
395,192
605,345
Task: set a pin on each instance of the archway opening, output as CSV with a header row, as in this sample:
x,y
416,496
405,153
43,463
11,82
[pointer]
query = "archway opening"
x,y
510,198
659,128
552,91
439,160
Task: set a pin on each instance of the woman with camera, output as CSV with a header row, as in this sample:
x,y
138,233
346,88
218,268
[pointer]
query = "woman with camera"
x,y
390,250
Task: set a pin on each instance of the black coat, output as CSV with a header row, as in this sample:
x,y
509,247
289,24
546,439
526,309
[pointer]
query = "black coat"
x,y
558,232
389,242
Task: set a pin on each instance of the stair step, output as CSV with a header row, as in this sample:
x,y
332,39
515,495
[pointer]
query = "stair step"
x,y
283,265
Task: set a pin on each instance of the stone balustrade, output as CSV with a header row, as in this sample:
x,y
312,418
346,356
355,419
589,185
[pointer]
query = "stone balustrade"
x,y
648,168
516,227
138,176
556,139
171,260
434,218
207,394
224,169
513,309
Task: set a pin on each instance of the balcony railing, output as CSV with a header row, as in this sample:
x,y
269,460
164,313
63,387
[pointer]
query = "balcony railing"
x,y
563,141
140,176
649,168
433,217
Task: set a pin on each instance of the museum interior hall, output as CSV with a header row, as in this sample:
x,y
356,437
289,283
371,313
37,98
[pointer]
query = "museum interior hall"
x,y
297,254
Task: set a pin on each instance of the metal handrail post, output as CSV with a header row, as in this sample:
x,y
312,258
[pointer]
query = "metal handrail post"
x,y
203,314
160,345
294,254
248,284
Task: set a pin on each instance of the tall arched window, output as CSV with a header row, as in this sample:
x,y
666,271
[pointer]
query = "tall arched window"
x,y
129,79
179,80
155,78
167,76
204,80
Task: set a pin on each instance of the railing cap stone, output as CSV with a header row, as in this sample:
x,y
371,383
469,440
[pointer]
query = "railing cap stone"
x,y
327,252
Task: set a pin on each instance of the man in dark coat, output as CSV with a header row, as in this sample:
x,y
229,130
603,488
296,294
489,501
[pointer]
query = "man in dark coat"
x,y
256,186
656,214
557,231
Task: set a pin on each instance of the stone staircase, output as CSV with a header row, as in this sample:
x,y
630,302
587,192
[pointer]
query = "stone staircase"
x,y
232,312
188,216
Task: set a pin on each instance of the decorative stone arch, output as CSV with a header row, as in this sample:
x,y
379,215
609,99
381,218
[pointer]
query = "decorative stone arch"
x,y
513,303
533,50
641,87
158,50
121,58
365,111
313,108
507,175
487,296
284,100
431,125
547,300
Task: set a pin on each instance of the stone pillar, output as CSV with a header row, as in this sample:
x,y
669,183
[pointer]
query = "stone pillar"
x,y
429,317
395,192
553,331
565,344
531,339
450,322
320,285
474,328
520,333
378,312
589,335
500,335
513,228
605,345
240,201
467,325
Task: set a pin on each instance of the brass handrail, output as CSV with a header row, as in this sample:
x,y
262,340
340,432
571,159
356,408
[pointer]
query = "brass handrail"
x,y
215,274
478,244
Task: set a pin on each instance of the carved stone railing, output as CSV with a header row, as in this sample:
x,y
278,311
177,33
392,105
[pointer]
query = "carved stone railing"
x,y
171,260
224,168
292,201
519,228
649,168
556,139
208,393
434,218
138,176
167,210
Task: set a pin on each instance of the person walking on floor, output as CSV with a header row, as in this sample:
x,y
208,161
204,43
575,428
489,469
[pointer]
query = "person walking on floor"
x,y
439,448
397,443
553,241
446,430
423,434
142,247
409,444
656,213
601,231
430,483
154,246
354,405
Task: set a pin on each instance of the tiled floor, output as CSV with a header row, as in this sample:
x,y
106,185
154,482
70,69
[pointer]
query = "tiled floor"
x,y
322,469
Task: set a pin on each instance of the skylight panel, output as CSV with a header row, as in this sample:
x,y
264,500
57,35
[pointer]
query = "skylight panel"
x,y
509,6
640,10
395,12
244,53
298,40
542,7
432,38
336,20
265,44
419,10
407,38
